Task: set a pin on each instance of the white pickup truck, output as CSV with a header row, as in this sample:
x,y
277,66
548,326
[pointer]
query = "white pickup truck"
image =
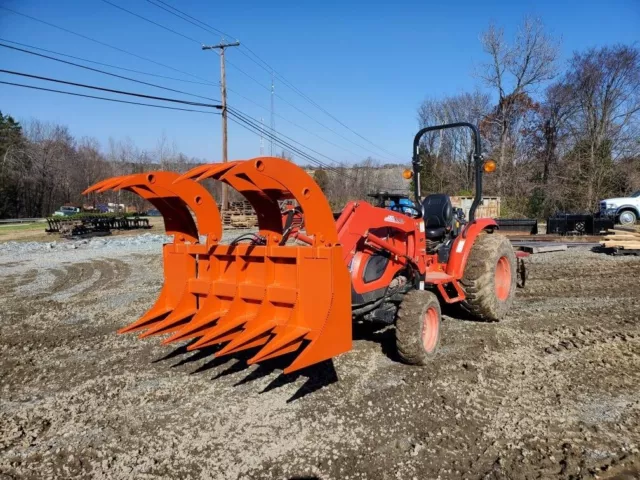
x,y
625,210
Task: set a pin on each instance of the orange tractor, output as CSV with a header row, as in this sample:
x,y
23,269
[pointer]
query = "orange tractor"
x,y
296,285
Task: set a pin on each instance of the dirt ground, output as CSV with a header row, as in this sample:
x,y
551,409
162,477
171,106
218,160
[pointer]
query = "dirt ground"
x,y
553,391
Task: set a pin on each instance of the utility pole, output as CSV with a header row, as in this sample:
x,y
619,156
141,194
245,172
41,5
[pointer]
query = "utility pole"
x,y
223,94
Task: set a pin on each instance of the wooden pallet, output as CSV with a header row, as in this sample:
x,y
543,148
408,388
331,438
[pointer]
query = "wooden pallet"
x,y
541,247
621,239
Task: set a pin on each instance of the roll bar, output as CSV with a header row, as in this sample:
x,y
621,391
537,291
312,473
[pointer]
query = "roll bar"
x,y
477,157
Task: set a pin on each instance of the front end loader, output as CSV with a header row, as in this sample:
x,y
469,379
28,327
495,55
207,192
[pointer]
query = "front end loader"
x,y
297,284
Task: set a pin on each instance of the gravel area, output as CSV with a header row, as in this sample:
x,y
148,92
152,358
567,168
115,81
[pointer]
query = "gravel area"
x,y
553,391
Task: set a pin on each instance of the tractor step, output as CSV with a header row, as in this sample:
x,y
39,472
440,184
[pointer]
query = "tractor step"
x,y
437,278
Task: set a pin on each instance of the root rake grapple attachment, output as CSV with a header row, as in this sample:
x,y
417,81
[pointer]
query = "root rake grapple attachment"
x,y
267,295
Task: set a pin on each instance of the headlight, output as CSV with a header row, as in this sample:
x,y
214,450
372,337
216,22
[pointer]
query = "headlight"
x,y
611,205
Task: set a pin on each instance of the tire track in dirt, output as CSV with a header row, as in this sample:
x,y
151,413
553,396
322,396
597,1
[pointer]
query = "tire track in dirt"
x,y
10,283
74,280
576,338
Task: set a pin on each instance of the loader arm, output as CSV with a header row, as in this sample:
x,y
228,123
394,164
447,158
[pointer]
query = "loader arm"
x,y
378,245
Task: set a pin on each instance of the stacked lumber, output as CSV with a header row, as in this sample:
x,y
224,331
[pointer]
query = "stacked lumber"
x,y
621,239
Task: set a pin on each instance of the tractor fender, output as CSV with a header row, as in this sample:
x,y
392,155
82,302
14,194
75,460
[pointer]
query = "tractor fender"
x,y
462,245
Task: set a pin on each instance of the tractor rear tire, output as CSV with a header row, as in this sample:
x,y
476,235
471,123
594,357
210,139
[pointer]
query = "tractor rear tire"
x,y
490,276
418,327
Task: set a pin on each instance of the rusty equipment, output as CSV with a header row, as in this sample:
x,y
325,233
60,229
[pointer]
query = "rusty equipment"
x,y
296,285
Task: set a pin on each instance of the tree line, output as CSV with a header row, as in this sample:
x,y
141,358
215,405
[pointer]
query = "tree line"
x,y
42,166
563,135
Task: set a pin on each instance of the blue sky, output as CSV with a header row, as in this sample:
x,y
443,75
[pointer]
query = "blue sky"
x,y
368,64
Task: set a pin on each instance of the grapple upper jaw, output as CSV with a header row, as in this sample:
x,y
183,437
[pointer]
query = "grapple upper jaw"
x,y
284,299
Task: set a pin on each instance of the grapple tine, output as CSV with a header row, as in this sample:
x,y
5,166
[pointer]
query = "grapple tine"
x,y
292,347
247,336
112,185
216,170
174,321
152,315
206,171
222,339
99,185
284,336
245,346
193,173
195,328
224,328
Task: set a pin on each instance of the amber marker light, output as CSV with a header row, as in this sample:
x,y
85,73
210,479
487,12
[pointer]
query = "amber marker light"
x,y
489,166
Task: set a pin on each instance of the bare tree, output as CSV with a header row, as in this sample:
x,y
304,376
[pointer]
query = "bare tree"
x,y
605,84
448,154
514,72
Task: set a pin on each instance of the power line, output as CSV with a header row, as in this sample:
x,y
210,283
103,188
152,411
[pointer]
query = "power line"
x,y
151,84
206,27
154,85
268,89
261,131
274,136
100,42
121,92
252,125
107,73
179,13
136,56
107,64
275,133
106,99
269,69
152,22
187,18
187,37
295,124
103,89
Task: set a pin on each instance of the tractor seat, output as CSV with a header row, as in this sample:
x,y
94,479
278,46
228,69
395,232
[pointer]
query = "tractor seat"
x,y
437,213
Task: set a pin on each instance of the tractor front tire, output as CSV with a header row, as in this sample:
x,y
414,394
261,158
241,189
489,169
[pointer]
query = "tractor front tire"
x,y
490,276
418,327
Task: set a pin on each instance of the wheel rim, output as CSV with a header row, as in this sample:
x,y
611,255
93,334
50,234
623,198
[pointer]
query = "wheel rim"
x,y
627,217
503,278
430,325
